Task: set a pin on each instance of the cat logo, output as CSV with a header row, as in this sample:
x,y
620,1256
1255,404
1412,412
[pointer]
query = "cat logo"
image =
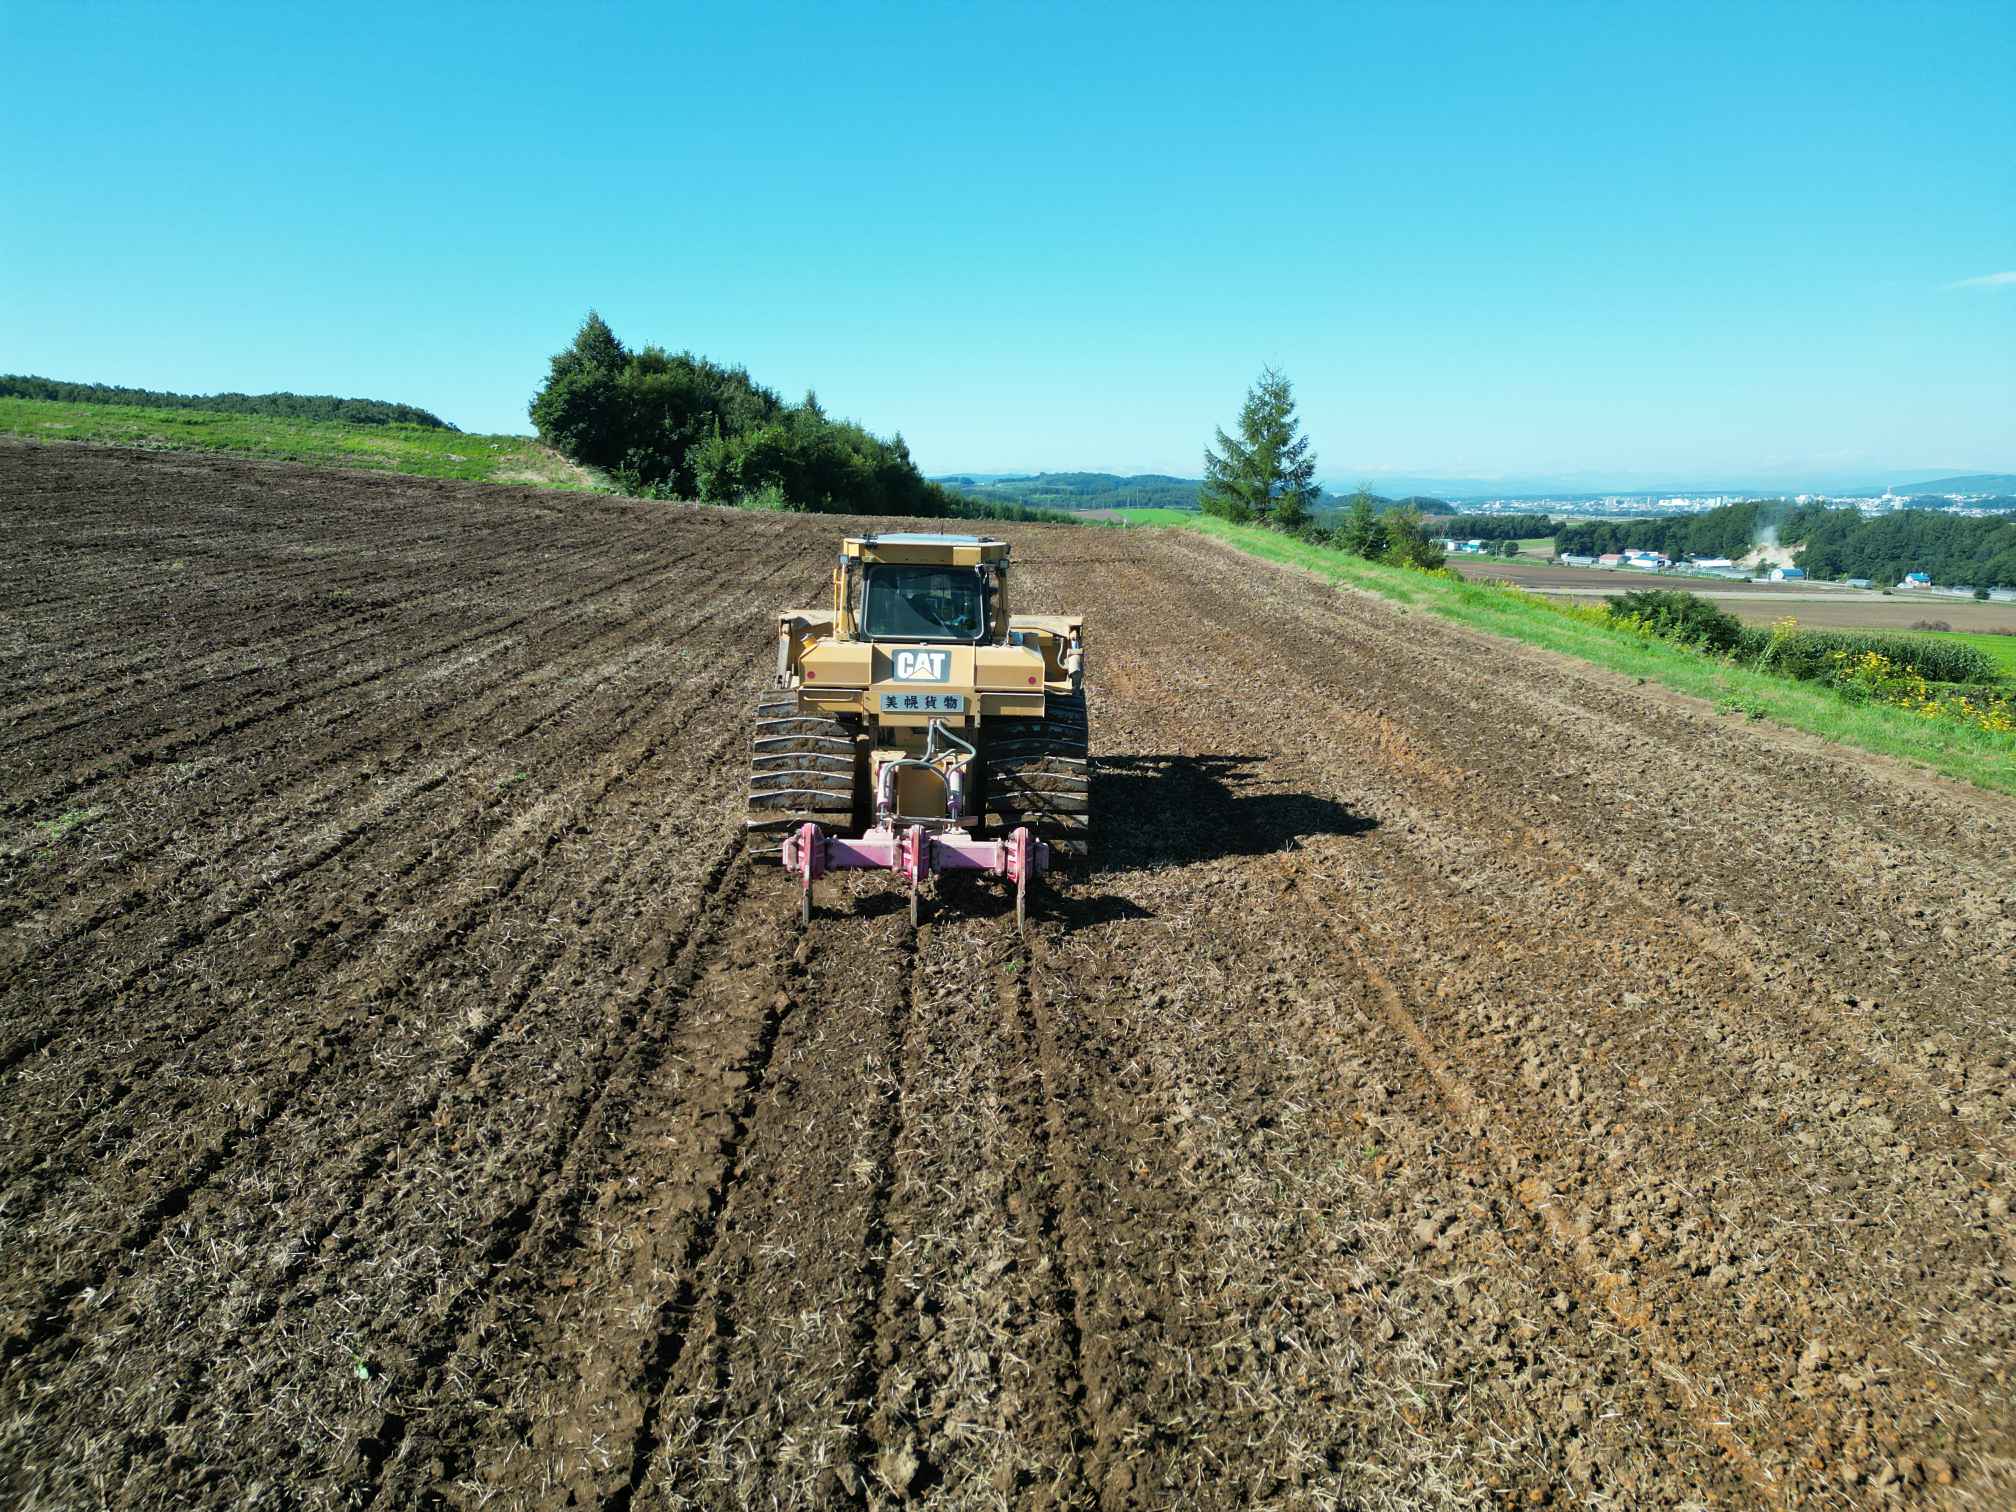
x,y
922,666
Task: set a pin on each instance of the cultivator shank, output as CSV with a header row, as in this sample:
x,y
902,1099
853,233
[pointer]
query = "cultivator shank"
x,y
915,854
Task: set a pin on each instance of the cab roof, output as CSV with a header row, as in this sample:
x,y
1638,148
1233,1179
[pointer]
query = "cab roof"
x,y
926,548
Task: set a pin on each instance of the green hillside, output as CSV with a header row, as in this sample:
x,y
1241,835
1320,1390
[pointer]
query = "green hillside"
x,y
291,406
422,450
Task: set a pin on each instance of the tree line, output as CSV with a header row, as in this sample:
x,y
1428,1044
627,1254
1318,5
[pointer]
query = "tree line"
x,y
1508,527
1835,542
1081,490
1727,531
671,425
1976,550
290,406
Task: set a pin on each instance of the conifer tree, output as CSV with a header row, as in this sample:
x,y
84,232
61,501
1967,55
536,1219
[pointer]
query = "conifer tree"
x,y
1266,474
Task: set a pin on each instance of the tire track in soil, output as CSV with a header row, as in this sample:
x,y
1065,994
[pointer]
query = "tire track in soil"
x,y
768,1394
1549,857
169,745
358,1217
1703,1252
884,1459
707,526
524,1208
1052,1207
265,595
380,1444
350,834
660,1188
631,1052
417,853
1295,1253
961,1383
1285,1291
475,705
1712,1417
44,1315
136,646
881,1235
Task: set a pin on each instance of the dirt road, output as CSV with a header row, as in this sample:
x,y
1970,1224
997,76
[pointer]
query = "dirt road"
x,y
1462,1080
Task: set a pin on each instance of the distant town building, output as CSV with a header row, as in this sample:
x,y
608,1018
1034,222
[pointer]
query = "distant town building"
x,y
1713,564
1610,559
1578,561
1860,583
1787,574
1916,580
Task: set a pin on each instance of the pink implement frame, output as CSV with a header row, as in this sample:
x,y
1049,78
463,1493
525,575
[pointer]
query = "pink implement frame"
x,y
915,853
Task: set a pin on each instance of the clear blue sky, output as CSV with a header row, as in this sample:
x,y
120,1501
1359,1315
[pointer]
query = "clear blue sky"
x,y
1637,241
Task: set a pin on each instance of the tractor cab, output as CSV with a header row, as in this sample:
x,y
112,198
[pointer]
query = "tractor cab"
x,y
916,587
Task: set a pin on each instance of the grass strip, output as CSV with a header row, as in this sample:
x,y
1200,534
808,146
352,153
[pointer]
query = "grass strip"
x,y
1951,749
414,449
2001,649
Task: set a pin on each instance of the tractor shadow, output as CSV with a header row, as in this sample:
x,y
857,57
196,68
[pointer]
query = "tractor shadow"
x,y
1159,811
1149,813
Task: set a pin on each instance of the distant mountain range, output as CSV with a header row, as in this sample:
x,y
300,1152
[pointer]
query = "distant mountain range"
x,y
1966,483
1088,490
1077,490
1097,490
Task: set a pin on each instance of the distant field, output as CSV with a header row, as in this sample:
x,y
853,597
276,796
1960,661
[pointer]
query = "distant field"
x,y
2001,647
1820,605
420,450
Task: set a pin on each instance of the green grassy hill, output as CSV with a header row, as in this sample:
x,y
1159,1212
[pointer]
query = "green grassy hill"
x,y
424,451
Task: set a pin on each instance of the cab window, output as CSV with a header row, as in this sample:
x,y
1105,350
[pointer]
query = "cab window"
x,y
924,603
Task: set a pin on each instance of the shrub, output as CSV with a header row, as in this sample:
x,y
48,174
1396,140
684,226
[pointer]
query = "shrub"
x,y
1674,615
1408,543
1792,652
1871,677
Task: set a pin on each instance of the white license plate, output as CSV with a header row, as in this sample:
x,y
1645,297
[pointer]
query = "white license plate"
x,y
923,703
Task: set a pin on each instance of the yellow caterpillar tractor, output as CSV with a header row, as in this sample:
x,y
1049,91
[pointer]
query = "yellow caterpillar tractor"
x,y
918,726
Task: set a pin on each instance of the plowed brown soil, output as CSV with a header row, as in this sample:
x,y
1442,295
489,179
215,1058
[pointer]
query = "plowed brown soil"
x,y
1461,1079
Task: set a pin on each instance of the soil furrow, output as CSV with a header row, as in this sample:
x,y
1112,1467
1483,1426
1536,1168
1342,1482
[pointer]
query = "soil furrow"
x,y
1463,1078
328,1046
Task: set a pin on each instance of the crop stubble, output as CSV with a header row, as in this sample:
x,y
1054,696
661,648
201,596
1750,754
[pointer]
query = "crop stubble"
x,y
1463,1080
